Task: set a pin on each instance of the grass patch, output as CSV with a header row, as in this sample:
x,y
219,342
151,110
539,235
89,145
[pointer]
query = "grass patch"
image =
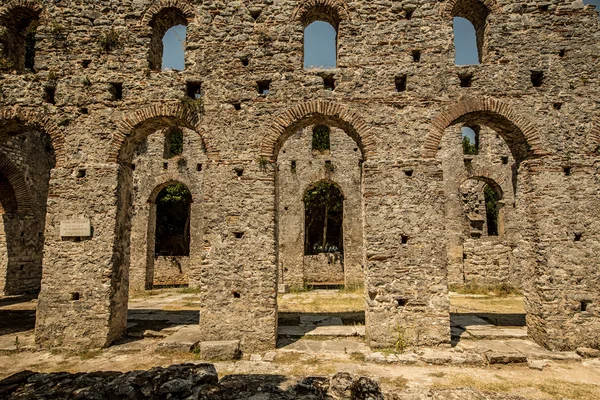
x,y
499,290
189,290
502,305
551,388
353,289
397,382
357,356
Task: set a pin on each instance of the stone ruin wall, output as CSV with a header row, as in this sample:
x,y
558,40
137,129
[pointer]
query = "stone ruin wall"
x,y
404,192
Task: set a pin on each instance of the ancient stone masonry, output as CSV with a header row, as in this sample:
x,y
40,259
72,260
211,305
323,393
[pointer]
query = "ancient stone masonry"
x,y
85,111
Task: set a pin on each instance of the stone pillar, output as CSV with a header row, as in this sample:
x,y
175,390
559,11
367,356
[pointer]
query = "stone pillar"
x,y
561,284
453,166
83,301
353,237
142,225
239,274
406,280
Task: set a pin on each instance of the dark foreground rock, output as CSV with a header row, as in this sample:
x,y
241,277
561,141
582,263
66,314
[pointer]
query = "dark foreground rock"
x,y
187,381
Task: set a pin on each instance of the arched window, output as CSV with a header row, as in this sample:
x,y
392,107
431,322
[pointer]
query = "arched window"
x,y
491,210
174,48
321,140
465,43
324,214
470,140
470,19
320,45
168,40
17,43
173,221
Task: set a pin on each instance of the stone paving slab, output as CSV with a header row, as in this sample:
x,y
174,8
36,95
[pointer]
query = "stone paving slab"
x,y
182,341
334,331
465,321
483,332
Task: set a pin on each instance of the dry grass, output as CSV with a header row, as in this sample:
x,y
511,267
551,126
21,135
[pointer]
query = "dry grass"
x,y
309,302
499,290
547,389
395,382
487,304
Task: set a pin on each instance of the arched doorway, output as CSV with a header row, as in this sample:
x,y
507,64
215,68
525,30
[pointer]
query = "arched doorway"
x,y
151,180
169,236
323,234
481,152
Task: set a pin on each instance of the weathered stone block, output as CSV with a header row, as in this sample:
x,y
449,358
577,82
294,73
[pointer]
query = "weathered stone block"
x,y
220,351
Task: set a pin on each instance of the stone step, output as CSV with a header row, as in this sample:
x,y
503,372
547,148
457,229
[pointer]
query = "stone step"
x,y
322,331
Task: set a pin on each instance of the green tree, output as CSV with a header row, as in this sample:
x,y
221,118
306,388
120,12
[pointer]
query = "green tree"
x,y
491,210
321,138
324,206
468,148
173,220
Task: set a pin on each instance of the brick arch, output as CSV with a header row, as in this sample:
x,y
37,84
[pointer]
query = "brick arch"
x,y
185,7
484,176
164,180
315,112
328,180
449,7
151,119
7,9
332,11
522,128
593,139
15,120
17,182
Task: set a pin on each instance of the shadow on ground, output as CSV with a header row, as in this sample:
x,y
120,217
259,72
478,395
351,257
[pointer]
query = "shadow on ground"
x,y
142,320
13,319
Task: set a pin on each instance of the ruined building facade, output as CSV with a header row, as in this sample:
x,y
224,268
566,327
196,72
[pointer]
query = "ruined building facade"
x,y
85,114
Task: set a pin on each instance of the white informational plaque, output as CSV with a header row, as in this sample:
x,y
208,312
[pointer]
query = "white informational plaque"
x,y
76,228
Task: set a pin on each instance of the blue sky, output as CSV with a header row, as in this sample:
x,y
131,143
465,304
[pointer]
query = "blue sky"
x,y
321,38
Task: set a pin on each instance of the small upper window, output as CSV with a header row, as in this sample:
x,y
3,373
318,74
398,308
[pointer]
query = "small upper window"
x,y
167,45
470,23
320,45
173,56
470,140
321,138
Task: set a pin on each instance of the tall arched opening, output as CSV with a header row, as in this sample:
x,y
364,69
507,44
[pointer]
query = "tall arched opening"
x,y
159,226
481,152
169,239
26,160
319,217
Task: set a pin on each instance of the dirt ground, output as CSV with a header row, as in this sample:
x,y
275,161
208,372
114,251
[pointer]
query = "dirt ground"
x,y
306,356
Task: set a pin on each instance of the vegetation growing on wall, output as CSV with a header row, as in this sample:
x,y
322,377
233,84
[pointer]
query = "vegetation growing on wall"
x,y
491,210
321,140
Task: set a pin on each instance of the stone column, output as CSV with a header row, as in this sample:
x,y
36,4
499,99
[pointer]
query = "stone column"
x,y
562,244
406,282
239,275
83,301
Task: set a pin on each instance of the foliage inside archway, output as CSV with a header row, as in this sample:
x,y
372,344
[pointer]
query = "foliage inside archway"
x,y
173,221
491,210
321,140
324,214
